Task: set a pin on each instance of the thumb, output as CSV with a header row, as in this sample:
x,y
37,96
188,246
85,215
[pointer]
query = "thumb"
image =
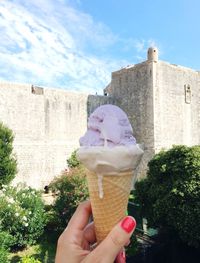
x,y
108,249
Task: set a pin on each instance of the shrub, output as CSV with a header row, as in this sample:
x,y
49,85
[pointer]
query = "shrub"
x,y
4,255
73,161
6,240
22,214
28,259
8,164
70,189
170,195
132,248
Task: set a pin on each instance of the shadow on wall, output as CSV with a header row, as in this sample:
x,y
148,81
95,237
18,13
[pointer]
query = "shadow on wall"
x,y
95,101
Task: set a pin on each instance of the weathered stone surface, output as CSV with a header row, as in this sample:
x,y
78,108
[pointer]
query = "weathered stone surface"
x,y
47,124
176,120
46,128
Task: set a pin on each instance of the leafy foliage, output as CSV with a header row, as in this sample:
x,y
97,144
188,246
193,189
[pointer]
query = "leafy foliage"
x,y
4,255
170,195
28,259
22,214
8,163
132,248
6,240
73,161
70,189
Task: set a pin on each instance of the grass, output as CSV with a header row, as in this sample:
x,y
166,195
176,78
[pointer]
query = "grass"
x,y
44,251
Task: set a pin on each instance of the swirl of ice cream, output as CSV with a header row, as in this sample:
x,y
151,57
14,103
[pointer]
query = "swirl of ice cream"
x,y
108,146
109,126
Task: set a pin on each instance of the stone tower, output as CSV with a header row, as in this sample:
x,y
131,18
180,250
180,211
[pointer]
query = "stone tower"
x,y
162,101
152,54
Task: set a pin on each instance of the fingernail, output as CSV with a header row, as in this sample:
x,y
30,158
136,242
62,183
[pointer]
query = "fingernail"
x,y
128,224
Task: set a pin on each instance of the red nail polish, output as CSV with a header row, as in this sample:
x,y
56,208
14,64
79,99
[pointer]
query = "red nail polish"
x,y
128,224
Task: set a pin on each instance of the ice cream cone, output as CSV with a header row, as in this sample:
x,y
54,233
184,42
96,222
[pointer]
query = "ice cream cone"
x,y
111,208
110,153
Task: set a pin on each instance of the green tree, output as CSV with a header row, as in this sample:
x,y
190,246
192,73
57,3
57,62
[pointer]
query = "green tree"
x,y
8,163
170,194
73,161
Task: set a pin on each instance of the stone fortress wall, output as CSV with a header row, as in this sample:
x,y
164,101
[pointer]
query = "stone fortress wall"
x,y
176,105
162,102
47,124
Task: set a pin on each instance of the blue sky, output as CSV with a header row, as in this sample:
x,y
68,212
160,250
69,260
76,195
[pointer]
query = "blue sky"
x,y
76,44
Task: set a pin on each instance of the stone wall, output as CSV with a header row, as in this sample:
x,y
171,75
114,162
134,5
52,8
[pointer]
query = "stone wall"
x,y
47,124
176,106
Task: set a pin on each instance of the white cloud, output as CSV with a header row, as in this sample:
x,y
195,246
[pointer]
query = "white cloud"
x,y
52,43
138,48
46,46
140,45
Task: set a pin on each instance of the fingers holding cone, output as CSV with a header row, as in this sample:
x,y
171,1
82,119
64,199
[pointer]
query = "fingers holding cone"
x,y
112,246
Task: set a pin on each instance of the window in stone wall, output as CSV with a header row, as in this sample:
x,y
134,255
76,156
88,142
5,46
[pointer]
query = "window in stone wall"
x,y
187,94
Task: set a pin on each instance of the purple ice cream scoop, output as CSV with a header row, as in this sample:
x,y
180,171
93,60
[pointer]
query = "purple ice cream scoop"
x,y
109,126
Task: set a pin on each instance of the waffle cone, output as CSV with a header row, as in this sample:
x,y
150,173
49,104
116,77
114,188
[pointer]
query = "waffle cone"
x,y
110,209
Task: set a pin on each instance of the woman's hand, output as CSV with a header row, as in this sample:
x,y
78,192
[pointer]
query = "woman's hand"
x,y
74,245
